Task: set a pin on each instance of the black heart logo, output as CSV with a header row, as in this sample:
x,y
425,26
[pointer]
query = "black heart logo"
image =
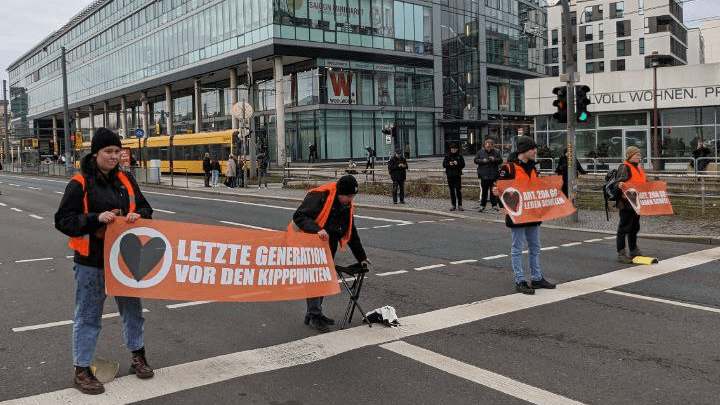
x,y
632,196
140,259
511,199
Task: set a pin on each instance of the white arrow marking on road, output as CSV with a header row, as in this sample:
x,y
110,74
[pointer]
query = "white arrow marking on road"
x,y
477,375
432,266
59,323
167,212
173,379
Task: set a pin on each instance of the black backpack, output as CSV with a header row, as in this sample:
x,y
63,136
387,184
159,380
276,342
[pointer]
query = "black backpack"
x,y
611,191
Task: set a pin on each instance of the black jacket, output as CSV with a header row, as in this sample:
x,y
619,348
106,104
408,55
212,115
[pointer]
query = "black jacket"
x,y
397,173
207,167
507,174
336,224
454,170
488,170
104,194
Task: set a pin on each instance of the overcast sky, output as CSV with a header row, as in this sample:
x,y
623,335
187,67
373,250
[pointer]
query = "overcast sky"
x,y
24,23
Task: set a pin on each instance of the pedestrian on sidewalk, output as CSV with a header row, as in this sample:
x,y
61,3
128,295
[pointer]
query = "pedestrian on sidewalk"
x,y
230,171
328,211
629,172
521,165
313,153
397,166
101,194
207,168
263,162
488,160
454,163
215,167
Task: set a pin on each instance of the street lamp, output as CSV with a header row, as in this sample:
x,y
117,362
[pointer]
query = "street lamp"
x,y
502,130
655,56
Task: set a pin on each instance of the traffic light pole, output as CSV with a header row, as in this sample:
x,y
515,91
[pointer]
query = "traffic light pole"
x,y
570,68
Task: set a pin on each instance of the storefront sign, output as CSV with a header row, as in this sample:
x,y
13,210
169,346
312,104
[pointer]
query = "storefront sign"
x,y
341,87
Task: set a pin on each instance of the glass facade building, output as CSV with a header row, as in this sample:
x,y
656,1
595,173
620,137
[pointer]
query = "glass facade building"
x,y
349,67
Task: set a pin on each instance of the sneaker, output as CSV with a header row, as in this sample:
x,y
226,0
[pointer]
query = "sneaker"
x,y
139,365
394,202
542,283
481,209
523,287
328,321
86,382
318,324
496,209
453,209
635,252
402,202
460,208
622,257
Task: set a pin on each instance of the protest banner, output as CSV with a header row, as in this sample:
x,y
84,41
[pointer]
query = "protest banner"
x,y
186,261
649,198
541,199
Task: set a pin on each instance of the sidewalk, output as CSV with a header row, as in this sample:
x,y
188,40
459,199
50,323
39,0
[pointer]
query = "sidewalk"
x,y
663,227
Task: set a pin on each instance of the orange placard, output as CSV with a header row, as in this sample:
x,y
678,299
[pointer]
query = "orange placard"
x,y
185,261
541,199
649,198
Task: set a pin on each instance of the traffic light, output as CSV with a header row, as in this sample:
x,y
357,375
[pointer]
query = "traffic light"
x,y
561,104
581,103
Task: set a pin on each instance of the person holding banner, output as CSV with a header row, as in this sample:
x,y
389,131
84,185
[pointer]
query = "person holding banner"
x,y
521,165
328,211
101,194
630,172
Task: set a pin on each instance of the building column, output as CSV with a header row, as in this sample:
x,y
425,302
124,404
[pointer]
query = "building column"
x,y
233,94
56,149
169,110
279,112
78,128
91,111
106,114
123,117
144,101
197,106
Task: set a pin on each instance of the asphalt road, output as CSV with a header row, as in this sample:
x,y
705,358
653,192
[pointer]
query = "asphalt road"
x,y
609,334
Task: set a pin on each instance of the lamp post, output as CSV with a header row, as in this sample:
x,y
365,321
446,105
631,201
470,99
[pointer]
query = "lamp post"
x,y
656,140
502,131
66,110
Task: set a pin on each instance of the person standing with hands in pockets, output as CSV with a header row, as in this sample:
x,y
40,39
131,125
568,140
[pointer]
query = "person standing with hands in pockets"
x,y
488,160
454,163
101,194
397,166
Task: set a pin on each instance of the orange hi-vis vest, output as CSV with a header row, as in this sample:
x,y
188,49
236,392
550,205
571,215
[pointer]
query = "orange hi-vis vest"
x,y
325,213
637,174
520,172
82,245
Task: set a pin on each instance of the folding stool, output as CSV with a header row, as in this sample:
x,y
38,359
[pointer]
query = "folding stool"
x,y
358,271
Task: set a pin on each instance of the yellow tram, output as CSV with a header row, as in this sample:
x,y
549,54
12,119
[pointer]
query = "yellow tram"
x,y
183,152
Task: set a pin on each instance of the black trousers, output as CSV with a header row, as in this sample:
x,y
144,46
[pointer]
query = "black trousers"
x,y
455,184
314,305
486,189
207,179
398,186
629,226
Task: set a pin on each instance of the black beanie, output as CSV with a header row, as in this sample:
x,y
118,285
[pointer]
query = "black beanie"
x,y
104,137
347,185
525,143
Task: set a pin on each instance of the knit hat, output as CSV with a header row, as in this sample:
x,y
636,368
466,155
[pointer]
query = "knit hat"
x,y
525,143
347,185
630,151
102,138
489,140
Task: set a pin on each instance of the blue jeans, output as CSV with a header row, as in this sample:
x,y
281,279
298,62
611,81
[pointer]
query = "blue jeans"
x,y
89,300
215,176
532,235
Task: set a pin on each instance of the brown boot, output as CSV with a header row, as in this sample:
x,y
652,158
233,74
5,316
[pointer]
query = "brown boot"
x,y
139,365
635,252
622,257
86,382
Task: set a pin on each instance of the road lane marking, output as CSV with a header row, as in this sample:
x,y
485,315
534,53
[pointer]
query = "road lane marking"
x,y
60,323
399,221
478,375
70,256
391,273
16,209
448,219
592,240
677,303
59,192
247,226
464,261
34,188
381,226
571,244
14,185
165,211
180,377
187,304
3,204
361,229
35,216
493,257
33,260
549,248
425,222
432,266
610,237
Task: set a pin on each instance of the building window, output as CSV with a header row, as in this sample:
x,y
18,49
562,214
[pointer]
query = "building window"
x,y
620,48
641,7
617,64
623,28
601,67
616,9
601,30
589,67
589,51
554,37
554,57
588,33
642,45
588,14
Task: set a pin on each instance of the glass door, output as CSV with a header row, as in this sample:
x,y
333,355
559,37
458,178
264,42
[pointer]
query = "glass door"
x,y
637,138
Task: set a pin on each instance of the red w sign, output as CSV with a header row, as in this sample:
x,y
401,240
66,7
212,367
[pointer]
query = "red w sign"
x,y
341,88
